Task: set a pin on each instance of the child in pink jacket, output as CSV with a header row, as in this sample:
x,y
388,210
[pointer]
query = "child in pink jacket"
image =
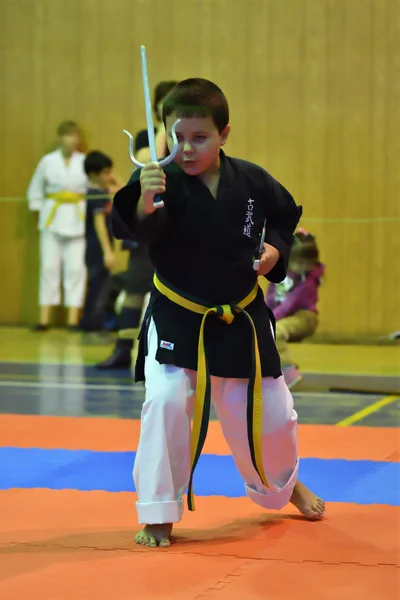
x,y
294,301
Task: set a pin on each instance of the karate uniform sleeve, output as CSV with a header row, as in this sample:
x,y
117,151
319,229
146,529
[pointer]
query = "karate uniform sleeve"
x,y
36,188
125,223
282,217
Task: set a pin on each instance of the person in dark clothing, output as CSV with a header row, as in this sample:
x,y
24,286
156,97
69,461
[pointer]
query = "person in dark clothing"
x,y
99,254
140,270
207,330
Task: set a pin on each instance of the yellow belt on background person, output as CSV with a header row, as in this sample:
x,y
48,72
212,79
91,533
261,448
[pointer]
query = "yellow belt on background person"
x,y
64,197
201,415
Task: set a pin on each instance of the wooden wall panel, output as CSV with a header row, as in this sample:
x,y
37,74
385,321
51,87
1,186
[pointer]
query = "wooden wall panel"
x,y
314,93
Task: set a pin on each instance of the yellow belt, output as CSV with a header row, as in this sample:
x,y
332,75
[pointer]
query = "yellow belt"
x,y
202,407
64,197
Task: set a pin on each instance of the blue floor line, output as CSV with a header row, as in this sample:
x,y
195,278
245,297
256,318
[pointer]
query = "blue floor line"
x,y
336,480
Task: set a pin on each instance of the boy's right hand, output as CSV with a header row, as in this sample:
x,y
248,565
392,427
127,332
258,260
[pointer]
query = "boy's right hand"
x,y
152,183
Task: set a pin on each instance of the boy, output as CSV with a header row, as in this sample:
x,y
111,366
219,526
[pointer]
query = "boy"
x,y
207,325
99,256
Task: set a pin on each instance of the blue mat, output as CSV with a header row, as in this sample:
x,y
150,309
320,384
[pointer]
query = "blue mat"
x,y
356,481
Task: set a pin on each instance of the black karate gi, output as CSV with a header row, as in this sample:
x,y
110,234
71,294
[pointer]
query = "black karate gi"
x,y
205,247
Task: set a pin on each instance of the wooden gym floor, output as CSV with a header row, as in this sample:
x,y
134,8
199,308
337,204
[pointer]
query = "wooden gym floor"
x,y
68,436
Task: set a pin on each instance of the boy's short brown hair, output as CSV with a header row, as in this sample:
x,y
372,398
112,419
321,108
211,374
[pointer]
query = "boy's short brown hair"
x,y
197,98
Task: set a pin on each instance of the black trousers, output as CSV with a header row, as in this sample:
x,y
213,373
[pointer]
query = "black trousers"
x,y
96,297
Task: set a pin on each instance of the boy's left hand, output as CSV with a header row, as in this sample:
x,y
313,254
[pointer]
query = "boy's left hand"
x,y
268,259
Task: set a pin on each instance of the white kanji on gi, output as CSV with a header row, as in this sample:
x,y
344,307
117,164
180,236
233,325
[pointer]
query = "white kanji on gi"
x,y
62,233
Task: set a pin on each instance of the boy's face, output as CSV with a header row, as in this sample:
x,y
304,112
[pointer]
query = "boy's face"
x,y
199,143
102,179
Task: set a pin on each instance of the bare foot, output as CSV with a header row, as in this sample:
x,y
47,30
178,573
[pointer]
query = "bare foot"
x,y
312,507
155,535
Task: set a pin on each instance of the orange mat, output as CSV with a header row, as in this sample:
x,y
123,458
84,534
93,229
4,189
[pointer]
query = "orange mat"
x,y
71,545
231,526
280,581
88,575
322,441
68,544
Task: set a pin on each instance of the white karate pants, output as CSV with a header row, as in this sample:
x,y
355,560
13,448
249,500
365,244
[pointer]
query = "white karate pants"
x,y
162,466
66,255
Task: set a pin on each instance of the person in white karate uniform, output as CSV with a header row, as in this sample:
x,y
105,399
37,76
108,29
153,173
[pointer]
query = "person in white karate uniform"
x,y
58,192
